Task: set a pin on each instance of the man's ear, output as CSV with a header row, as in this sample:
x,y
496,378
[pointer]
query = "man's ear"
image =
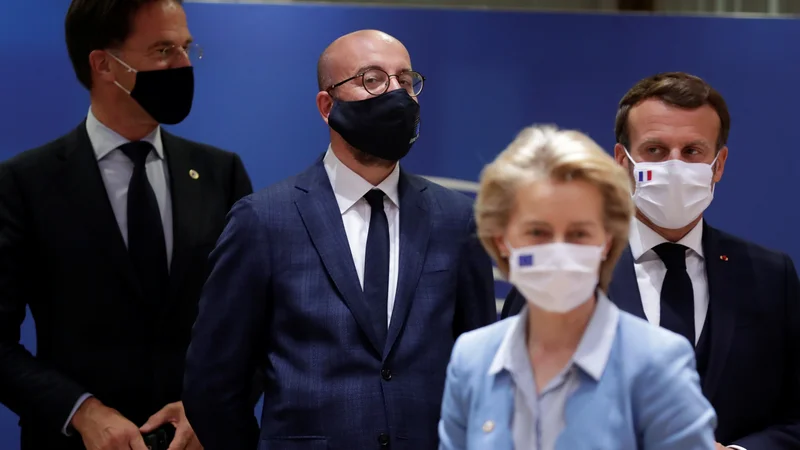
x,y
100,63
324,104
722,158
620,156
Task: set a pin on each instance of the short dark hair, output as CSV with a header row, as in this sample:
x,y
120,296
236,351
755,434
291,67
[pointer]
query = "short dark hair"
x,y
678,89
95,25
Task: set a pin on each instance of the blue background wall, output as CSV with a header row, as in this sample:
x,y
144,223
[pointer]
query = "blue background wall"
x,y
489,74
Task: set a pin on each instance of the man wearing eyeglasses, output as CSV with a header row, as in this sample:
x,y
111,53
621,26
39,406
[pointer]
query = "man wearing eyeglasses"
x,y
105,233
348,282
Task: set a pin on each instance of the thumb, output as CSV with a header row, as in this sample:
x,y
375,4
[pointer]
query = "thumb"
x,y
137,443
155,421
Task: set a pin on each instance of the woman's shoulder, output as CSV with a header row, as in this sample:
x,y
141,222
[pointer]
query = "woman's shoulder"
x,y
476,349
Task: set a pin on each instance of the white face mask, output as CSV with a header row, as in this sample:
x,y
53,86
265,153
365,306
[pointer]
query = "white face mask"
x,y
556,277
672,193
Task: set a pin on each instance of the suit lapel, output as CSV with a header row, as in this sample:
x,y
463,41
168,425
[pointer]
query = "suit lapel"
x,y
414,233
186,207
320,213
724,269
624,289
87,192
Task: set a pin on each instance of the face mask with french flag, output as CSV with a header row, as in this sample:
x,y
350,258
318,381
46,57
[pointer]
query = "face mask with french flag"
x,y
644,175
672,193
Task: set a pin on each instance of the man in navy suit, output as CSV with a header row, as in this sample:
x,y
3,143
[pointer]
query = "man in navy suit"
x,y
736,301
347,283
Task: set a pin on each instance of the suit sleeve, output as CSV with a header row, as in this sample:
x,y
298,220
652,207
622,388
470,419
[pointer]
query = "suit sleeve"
x,y
223,355
28,387
240,181
475,304
786,434
240,188
670,410
455,412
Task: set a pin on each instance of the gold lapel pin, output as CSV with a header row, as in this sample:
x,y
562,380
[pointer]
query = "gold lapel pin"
x,y
488,426
193,173
723,257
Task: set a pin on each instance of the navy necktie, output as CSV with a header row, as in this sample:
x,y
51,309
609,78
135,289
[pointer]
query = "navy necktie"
x,y
146,245
376,264
677,295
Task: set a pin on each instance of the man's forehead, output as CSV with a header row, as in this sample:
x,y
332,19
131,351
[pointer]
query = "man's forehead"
x,y
654,119
165,21
361,52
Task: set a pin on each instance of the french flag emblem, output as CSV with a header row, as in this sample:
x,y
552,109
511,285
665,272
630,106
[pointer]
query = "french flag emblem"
x,y
645,175
525,260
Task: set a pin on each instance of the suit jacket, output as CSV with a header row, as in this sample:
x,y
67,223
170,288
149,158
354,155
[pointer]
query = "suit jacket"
x,y
750,364
284,294
63,255
648,396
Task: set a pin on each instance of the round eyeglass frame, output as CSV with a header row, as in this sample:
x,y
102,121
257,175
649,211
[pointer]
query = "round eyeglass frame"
x,y
385,84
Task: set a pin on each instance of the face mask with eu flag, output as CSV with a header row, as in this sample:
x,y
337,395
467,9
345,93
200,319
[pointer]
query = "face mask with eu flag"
x,y
556,277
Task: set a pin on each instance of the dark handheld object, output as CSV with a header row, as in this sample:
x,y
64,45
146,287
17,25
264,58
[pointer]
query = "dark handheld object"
x,y
160,438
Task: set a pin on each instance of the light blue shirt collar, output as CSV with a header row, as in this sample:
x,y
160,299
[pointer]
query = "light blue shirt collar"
x,y
105,140
593,349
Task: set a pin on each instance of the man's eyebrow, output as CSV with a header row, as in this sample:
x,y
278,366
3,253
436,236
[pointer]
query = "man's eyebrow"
x,y
167,43
367,68
374,66
694,143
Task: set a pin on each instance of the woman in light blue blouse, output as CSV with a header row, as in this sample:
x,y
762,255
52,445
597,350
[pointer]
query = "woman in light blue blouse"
x,y
571,371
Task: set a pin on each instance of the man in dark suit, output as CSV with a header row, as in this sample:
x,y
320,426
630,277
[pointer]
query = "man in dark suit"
x,y
105,234
349,282
736,301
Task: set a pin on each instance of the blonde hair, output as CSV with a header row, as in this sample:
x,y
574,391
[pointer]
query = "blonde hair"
x,y
547,153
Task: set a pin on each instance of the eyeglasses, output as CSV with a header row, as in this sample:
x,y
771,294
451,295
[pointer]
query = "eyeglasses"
x,y
376,81
192,51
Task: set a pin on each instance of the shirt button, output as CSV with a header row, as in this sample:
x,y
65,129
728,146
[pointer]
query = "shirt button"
x,y
383,439
386,374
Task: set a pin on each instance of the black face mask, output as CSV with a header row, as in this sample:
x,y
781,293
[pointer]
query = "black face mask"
x,y
165,94
385,126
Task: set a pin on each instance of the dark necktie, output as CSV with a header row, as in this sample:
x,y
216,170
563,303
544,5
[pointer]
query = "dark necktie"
x,y
146,245
376,263
677,296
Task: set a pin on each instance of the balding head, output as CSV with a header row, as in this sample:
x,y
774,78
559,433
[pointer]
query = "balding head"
x,y
347,55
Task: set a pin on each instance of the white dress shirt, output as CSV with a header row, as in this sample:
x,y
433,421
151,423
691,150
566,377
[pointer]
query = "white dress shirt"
x,y
116,170
650,271
349,189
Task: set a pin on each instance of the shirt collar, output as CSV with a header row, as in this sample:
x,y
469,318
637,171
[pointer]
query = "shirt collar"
x,y
592,352
349,187
105,140
643,239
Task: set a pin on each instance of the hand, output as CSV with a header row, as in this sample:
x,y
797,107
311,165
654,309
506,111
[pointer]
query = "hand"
x,y
719,446
104,428
174,414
